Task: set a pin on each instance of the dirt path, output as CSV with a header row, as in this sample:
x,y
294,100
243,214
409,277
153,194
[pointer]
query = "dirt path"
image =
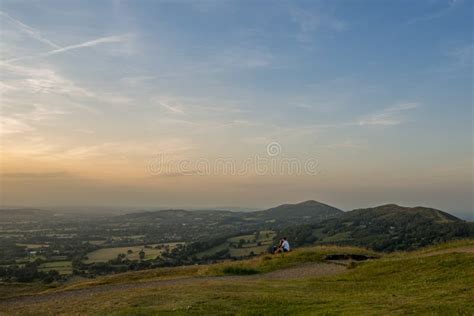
x,y
299,272
304,271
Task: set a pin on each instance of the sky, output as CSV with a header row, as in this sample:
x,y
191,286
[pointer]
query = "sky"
x,y
237,103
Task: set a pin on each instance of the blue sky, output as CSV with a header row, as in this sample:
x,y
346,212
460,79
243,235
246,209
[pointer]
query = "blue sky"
x,y
379,92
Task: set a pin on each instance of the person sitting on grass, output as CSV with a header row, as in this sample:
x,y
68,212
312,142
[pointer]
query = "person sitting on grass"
x,y
275,248
283,247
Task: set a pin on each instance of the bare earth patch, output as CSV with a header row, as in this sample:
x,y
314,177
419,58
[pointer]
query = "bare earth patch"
x,y
304,271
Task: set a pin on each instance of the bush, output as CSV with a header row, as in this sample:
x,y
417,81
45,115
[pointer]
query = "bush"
x,y
239,271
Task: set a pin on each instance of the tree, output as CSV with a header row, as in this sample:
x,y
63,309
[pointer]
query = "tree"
x,y
142,254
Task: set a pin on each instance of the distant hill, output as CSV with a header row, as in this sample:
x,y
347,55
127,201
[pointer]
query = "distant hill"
x,y
216,226
385,228
396,213
30,214
304,212
280,216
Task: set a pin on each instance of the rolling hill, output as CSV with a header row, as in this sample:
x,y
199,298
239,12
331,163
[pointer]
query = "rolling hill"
x,y
286,214
385,228
308,211
223,222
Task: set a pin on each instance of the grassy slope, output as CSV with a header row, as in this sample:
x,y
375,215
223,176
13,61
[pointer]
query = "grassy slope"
x,y
247,248
431,281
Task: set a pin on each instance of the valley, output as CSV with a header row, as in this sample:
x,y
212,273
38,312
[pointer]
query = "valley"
x,y
47,246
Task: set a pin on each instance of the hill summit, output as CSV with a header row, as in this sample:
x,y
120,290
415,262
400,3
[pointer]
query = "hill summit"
x,y
401,213
309,209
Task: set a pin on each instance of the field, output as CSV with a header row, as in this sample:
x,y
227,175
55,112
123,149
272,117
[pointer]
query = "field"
x,y
434,281
33,246
106,254
63,267
249,244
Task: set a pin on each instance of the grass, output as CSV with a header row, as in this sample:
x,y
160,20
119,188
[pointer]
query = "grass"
x,y
106,254
269,263
63,267
395,284
250,246
236,270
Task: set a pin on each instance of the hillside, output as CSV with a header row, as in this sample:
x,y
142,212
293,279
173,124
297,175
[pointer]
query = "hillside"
x,y
200,224
385,228
397,213
435,280
308,211
286,214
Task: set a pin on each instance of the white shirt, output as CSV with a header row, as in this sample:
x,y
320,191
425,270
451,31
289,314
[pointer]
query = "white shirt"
x,y
285,245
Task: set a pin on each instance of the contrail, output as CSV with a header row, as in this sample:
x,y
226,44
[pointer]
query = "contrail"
x,y
34,33
101,40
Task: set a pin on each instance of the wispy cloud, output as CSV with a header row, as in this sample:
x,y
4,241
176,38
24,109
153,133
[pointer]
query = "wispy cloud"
x,y
39,80
389,116
11,125
437,14
20,123
311,21
98,41
134,81
47,81
32,32
348,144
463,56
169,104
244,58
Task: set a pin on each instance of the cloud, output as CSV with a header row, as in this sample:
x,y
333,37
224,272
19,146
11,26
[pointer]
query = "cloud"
x,y
134,81
39,80
98,41
42,112
310,21
32,32
381,119
462,56
435,15
6,87
169,104
244,58
21,123
11,125
389,116
348,144
42,80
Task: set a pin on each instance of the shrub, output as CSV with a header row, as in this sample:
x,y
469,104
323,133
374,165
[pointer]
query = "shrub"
x,y
239,271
